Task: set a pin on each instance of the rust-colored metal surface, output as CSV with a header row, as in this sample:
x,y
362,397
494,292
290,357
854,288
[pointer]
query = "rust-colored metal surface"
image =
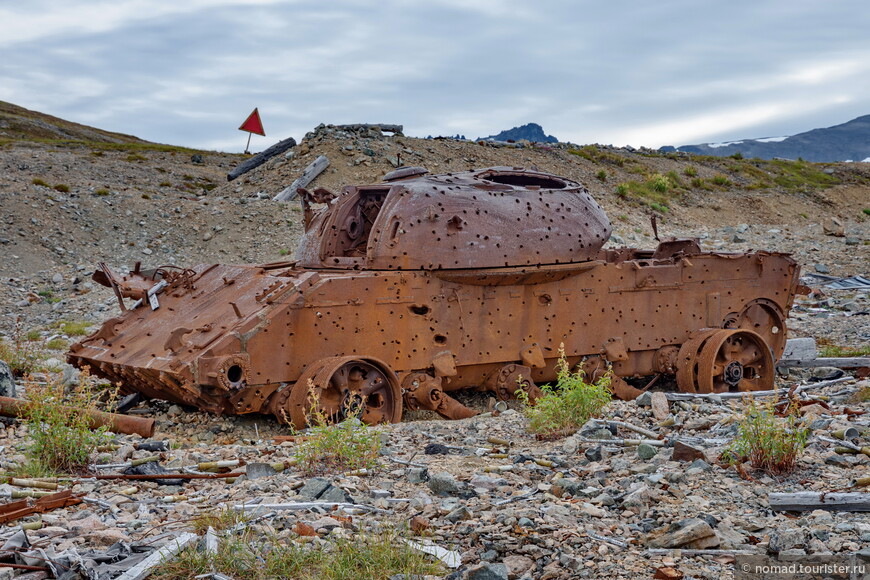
x,y
25,507
409,290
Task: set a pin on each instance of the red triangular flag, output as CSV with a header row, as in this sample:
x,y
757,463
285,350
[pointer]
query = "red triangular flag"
x,y
253,124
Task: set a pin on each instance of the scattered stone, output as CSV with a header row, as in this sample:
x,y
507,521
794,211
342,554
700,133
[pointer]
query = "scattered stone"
x,y
259,470
833,227
517,565
646,451
683,452
693,533
488,572
444,484
644,399
7,381
660,407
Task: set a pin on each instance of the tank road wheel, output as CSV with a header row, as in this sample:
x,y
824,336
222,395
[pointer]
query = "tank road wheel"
x,y
729,361
765,318
340,387
688,359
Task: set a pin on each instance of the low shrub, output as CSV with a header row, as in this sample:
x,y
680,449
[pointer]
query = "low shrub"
x,y
770,443
720,180
58,426
22,355
40,182
74,328
365,557
690,171
347,446
601,175
62,187
566,406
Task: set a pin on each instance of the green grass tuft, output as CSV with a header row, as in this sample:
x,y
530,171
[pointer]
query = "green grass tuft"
x,y
770,443
365,557
566,406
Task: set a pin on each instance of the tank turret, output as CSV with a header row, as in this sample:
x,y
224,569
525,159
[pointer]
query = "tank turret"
x,y
491,218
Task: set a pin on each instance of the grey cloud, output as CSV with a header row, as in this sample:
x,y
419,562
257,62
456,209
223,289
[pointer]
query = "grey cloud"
x,y
668,72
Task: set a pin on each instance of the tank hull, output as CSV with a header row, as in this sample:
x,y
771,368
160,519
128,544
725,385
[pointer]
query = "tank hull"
x,y
243,332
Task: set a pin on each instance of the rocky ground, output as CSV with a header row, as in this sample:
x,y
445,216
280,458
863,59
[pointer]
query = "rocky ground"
x,y
587,506
583,509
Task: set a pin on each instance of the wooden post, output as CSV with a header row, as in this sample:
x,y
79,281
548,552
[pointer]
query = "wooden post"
x,y
261,158
812,500
312,171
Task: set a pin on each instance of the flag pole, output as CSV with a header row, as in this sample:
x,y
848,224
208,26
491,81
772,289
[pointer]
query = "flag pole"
x,y
249,144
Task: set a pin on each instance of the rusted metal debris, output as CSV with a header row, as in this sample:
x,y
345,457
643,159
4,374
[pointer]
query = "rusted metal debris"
x,y
406,291
25,507
126,424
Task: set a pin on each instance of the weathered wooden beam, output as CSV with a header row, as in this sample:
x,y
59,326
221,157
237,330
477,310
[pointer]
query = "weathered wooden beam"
x,y
312,171
386,127
812,500
261,158
755,394
840,362
166,553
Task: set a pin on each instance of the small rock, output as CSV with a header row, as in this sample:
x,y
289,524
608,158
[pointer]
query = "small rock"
x,y
644,400
444,484
314,488
593,453
418,475
822,269
787,539
700,465
459,514
488,572
683,452
259,470
326,523
646,451
693,533
834,227
660,408
7,381
517,565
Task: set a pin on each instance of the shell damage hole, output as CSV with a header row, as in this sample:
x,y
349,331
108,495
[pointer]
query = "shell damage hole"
x,y
234,374
440,339
545,299
419,309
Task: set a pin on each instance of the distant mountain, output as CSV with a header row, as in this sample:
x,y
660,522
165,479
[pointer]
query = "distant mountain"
x,y
20,124
530,132
849,141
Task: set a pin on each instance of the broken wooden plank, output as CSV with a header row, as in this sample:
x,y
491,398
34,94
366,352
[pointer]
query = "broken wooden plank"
x,y
812,500
261,158
840,362
755,394
312,171
166,553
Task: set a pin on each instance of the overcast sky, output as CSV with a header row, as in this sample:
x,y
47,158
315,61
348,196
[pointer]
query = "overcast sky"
x,y
666,72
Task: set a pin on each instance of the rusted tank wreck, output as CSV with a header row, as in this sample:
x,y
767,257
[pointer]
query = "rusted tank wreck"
x,y
405,291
